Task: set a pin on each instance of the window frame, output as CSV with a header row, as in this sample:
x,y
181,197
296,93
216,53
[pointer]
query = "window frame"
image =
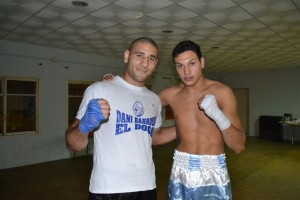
x,y
4,96
88,83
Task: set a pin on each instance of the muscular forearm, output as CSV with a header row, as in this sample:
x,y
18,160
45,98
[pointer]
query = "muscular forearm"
x,y
227,120
77,134
234,138
75,140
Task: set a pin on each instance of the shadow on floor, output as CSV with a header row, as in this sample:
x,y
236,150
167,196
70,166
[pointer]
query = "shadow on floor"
x,y
266,170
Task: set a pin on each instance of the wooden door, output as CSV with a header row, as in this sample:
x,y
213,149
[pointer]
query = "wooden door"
x,y
242,97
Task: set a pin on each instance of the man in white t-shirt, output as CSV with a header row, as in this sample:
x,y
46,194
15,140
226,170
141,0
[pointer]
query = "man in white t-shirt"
x,y
124,115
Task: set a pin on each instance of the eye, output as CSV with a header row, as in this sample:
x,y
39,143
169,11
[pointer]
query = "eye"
x,y
139,55
179,65
192,63
152,59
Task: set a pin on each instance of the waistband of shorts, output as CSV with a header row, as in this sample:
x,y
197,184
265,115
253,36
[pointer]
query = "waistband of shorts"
x,y
195,160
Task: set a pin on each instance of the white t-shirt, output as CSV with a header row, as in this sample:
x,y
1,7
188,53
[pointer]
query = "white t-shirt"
x,y
123,145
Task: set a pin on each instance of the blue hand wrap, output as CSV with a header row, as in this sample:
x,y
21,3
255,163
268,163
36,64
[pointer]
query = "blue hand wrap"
x,y
92,118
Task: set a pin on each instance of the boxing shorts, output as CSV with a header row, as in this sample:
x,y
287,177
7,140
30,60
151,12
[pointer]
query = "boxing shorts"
x,y
199,177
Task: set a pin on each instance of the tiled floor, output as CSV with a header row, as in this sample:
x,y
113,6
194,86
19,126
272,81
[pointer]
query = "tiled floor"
x,y
266,170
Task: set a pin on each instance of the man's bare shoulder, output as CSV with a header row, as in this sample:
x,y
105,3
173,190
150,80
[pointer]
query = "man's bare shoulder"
x,y
221,91
216,85
168,93
172,89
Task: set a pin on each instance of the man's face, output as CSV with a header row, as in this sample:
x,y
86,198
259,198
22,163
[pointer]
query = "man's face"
x,y
141,61
189,67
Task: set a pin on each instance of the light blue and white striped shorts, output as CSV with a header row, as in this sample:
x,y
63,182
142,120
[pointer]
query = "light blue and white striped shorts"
x,y
199,177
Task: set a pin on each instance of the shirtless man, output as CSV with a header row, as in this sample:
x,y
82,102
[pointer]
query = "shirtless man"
x,y
206,120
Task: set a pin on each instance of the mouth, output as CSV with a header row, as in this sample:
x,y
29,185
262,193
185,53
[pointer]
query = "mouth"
x,y
142,70
187,79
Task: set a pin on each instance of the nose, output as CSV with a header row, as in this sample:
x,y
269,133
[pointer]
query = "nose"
x,y
144,61
186,70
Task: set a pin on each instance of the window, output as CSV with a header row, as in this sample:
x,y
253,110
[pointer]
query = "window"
x,y
76,91
19,106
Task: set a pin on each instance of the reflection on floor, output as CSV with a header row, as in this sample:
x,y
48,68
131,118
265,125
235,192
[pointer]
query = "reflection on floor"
x,y
266,170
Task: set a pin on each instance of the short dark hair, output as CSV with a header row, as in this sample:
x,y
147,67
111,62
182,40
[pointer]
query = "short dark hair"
x,y
184,46
143,39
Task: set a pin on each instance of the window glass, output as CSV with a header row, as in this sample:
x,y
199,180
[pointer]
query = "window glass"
x,y
18,106
21,87
21,112
76,91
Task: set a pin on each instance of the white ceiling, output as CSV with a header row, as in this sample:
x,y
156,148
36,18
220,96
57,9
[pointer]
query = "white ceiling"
x,y
234,35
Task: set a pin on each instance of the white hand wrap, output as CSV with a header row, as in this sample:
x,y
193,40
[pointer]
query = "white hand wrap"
x,y
212,110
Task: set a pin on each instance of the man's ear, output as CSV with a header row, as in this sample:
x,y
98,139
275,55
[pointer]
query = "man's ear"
x,y
126,56
202,62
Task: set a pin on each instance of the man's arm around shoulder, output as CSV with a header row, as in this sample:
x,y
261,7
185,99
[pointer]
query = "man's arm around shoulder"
x,y
163,135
